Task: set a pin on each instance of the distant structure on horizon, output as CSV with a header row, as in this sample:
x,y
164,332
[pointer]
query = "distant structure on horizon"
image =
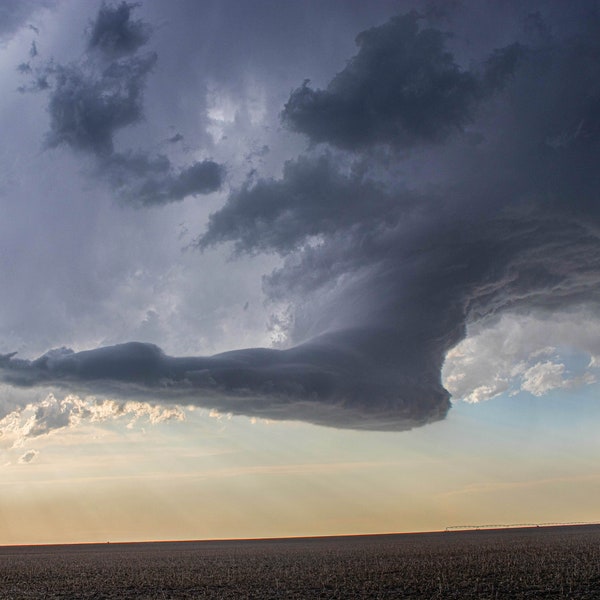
x,y
518,525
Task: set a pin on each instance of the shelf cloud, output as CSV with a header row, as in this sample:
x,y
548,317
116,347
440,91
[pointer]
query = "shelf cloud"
x,y
380,275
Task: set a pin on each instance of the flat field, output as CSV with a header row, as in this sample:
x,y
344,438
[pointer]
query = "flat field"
x,y
545,562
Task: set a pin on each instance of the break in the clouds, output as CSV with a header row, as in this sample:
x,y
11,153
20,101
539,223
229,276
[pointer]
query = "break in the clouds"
x,y
521,353
91,100
381,275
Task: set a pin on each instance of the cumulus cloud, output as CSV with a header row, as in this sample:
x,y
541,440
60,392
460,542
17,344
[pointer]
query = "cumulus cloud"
x,y
53,413
521,353
94,98
544,376
402,87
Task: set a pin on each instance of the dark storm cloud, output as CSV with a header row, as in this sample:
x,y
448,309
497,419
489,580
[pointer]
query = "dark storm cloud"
x,y
394,278
88,106
144,180
402,87
321,382
115,34
93,99
313,198
381,280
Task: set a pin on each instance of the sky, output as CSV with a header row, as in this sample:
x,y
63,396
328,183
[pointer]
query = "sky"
x,y
304,268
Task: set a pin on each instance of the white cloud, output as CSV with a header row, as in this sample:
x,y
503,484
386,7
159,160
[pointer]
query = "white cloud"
x,y
523,353
52,414
544,377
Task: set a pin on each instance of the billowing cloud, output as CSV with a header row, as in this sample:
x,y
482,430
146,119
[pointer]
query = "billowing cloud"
x,y
313,198
402,87
518,353
543,377
53,413
91,100
115,33
397,276
382,274
88,105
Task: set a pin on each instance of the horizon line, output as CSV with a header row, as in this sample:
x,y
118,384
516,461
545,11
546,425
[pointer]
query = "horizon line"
x,y
448,529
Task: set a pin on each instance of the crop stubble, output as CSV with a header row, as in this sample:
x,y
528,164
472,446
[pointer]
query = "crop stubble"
x,y
557,562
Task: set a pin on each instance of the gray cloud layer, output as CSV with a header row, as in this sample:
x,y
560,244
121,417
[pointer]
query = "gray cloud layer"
x,y
93,99
15,13
381,279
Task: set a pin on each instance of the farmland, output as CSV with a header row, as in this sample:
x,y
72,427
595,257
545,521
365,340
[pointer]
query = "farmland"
x,y
552,562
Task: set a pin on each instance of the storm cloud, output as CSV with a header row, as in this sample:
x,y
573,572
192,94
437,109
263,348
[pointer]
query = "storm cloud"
x,y
402,87
91,100
87,108
517,230
380,275
324,381
115,33
151,180
313,198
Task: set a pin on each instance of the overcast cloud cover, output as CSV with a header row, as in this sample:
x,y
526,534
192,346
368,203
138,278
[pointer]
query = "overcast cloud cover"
x,y
425,186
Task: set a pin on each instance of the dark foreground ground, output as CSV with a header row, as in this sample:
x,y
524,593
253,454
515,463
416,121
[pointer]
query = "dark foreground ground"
x,y
548,562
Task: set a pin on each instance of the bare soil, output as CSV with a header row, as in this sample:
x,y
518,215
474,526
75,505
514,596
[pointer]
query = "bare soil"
x,y
545,562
